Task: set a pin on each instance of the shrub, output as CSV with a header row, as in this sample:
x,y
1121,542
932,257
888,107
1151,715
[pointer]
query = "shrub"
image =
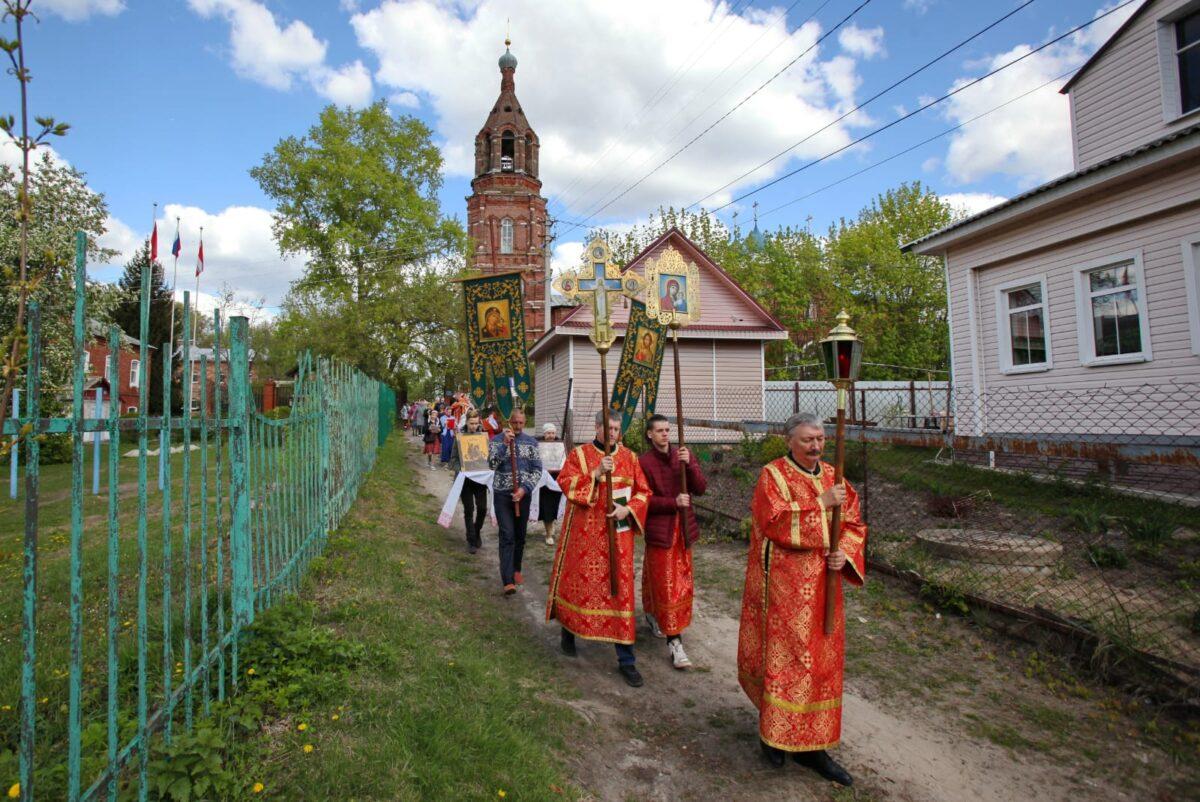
x,y
1152,525
279,413
772,447
1089,519
1107,557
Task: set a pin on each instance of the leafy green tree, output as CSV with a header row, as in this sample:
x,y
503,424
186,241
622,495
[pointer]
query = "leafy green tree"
x,y
896,301
61,204
128,315
358,196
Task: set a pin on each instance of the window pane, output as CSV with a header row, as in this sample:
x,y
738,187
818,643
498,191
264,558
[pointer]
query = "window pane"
x,y
1025,296
1187,30
1028,336
1115,324
1107,278
1189,80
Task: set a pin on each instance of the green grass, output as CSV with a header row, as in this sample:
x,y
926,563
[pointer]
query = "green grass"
x,y
453,699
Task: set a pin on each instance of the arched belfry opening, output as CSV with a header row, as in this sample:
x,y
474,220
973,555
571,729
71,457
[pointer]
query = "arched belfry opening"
x,y
508,152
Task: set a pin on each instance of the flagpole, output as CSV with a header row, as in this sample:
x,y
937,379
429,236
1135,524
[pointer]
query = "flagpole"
x,y
196,302
174,284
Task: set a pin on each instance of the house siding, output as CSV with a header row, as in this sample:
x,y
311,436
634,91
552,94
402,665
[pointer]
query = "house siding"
x,y
1151,217
1117,104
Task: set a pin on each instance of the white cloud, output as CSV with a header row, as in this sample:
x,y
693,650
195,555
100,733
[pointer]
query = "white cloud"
x,y
447,53
970,203
349,85
919,6
864,42
405,100
276,55
1029,139
79,10
931,164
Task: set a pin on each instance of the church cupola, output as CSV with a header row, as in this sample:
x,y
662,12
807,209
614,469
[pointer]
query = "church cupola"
x,y
506,143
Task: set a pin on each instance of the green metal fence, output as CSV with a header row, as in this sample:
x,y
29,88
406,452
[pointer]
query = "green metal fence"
x,y
132,602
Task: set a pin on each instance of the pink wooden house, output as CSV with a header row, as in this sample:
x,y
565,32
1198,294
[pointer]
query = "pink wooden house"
x,y
722,359
1075,307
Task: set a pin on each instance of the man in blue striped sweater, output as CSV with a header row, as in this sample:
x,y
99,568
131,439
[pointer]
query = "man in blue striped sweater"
x,y
512,504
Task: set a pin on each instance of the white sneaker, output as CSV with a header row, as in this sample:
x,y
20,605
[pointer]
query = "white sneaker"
x,y
655,630
549,541
679,658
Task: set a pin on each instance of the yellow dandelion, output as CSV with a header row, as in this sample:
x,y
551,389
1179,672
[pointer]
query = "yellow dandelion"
x,y
302,727
45,699
501,793
308,748
334,717
179,665
257,788
14,791
6,708
251,671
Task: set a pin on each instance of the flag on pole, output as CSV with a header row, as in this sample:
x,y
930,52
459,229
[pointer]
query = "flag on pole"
x,y
154,244
177,246
200,258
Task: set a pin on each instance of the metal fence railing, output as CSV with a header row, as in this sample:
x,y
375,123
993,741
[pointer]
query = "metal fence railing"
x,y
131,602
1076,508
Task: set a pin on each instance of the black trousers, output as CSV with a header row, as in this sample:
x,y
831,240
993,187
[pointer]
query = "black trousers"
x,y
474,501
512,534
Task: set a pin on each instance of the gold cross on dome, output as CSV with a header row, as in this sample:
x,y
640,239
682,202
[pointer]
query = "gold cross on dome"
x,y
599,281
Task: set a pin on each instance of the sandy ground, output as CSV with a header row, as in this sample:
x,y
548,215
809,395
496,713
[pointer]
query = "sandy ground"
x,y
689,735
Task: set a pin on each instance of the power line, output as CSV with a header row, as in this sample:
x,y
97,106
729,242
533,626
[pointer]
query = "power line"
x,y
726,115
564,202
870,100
924,107
920,144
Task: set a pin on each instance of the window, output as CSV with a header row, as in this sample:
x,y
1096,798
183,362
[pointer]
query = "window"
x,y
1191,279
195,373
552,362
135,369
507,151
1187,61
1111,300
1024,331
85,362
131,409
506,235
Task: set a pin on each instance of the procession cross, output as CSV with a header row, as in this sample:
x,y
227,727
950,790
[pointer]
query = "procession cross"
x,y
605,278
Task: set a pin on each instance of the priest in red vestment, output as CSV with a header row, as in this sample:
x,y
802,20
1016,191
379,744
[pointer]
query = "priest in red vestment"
x,y
580,595
667,585
787,665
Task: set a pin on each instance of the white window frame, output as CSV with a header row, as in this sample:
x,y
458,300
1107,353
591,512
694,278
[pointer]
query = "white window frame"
x,y
1004,333
1191,279
1168,65
1083,311
135,370
507,222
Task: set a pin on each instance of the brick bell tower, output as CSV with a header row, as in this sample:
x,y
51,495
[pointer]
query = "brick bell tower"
x,y
506,214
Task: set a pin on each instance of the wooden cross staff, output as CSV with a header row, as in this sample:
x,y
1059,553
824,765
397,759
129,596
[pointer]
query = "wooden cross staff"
x,y
595,281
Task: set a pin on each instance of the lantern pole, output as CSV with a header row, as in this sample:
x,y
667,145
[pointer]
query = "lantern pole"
x,y
842,353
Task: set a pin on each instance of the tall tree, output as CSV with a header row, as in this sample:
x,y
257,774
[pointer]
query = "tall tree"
x,y
128,315
358,196
897,301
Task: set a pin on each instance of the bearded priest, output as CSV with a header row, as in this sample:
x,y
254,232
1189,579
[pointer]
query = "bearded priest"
x,y
580,596
787,665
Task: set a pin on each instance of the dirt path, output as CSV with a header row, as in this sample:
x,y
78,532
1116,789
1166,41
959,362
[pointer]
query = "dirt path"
x,y
689,734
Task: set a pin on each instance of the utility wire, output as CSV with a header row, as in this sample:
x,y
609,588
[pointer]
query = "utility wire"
x,y
869,100
726,115
922,108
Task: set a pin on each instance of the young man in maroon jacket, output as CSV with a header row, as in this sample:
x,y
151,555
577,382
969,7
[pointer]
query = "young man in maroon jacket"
x,y
671,529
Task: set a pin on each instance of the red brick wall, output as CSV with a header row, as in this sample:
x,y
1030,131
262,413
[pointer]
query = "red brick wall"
x,y
126,393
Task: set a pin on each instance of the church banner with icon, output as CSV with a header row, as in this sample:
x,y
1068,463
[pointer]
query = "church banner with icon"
x,y
641,363
496,354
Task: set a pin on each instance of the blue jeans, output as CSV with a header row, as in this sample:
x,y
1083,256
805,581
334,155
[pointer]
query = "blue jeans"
x,y
512,534
625,655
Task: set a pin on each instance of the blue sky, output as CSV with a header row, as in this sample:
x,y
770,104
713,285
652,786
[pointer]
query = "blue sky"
x,y
175,100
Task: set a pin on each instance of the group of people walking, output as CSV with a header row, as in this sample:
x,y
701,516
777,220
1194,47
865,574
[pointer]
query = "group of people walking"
x,y
789,665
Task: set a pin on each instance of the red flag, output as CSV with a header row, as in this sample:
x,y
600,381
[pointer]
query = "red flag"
x,y
154,244
200,260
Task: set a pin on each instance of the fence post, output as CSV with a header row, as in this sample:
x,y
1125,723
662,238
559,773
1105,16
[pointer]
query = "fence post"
x,y
16,451
795,398
912,401
96,442
268,397
324,405
242,590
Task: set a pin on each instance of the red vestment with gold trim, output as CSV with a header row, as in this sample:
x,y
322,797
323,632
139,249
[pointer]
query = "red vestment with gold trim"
x,y
787,665
579,587
667,584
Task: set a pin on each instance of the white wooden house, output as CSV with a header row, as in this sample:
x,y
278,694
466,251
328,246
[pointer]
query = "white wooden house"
x,y
1075,307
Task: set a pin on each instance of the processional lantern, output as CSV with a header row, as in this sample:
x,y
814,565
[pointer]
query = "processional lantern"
x,y
841,354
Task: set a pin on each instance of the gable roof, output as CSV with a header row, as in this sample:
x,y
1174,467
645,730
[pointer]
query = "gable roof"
x,y
741,317
1100,51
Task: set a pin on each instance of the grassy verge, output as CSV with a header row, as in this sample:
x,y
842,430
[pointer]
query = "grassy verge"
x,y
450,700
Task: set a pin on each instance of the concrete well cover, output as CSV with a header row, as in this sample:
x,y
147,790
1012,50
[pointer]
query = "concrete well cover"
x,y
991,548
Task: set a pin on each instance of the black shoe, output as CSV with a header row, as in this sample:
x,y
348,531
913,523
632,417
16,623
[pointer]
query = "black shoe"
x,y
567,644
632,676
774,756
820,762
472,549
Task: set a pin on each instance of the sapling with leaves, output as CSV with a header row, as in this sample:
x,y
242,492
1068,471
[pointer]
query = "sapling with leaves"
x,y
18,131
